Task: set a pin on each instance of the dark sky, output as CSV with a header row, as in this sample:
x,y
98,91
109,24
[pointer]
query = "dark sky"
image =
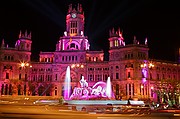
x,y
158,20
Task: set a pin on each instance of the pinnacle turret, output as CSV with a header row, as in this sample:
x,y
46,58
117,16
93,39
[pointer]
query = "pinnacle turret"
x,y
2,44
25,35
116,39
146,42
135,41
113,33
78,9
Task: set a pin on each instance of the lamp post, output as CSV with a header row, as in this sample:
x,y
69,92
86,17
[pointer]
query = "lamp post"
x,y
24,66
77,66
145,72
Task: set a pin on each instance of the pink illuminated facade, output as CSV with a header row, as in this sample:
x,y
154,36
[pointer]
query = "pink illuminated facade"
x,y
133,74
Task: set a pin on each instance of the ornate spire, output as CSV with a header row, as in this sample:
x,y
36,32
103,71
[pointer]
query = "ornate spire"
x,y
80,8
114,33
119,31
74,10
146,41
70,8
2,44
26,33
110,32
134,41
77,9
20,34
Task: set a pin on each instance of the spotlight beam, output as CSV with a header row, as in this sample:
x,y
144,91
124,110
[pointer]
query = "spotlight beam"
x,y
110,21
90,16
49,10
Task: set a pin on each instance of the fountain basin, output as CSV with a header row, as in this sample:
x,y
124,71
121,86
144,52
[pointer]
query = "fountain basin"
x,y
103,102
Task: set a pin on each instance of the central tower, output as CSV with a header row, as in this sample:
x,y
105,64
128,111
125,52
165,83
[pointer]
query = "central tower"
x,y
74,38
75,21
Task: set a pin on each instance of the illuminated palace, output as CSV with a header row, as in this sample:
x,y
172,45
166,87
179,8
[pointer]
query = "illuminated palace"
x,y
132,73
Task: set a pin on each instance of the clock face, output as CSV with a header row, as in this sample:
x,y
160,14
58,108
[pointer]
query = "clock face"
x,y
73,15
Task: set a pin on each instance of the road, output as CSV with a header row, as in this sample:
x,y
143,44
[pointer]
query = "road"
x,y
25,108
14,111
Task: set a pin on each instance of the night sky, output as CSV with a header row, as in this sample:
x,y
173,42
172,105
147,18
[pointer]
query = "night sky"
x,y
158,20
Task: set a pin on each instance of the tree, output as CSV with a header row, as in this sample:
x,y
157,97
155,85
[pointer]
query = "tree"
x,y
167,91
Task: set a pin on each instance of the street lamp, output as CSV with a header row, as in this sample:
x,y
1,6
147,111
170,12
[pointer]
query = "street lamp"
x,y
24,65
77,66
145,72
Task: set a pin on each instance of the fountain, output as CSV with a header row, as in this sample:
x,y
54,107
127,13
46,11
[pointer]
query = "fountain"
x,y
99,94
108,88
99,91
67,85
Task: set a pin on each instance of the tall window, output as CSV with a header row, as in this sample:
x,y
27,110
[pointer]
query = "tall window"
x,y
2,89
55,91
111,44
111,75
25,77
142,89
19,76
163,76
66,58
76,58
117,67
151,92
62,58
10,89
150,75
98,77
158,76
90,77
73,29
130,89
25,89
129,74
106,77
7,75
117,75
56,77
116,43
117,89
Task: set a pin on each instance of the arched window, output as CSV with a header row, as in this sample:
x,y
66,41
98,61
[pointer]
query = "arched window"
x,y
116,43
76,47
72,45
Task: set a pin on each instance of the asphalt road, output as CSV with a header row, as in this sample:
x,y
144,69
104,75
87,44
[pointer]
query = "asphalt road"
x,y
15,111
25,108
